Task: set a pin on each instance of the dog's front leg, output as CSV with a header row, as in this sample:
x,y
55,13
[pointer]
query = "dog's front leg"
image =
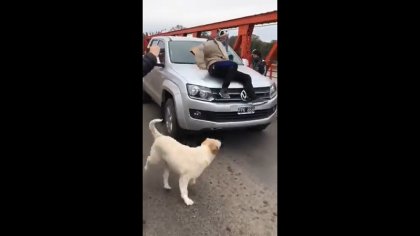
x,y
183,187
165,178
147,164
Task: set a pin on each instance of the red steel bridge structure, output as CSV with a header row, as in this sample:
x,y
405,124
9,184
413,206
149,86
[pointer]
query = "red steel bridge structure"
x,y
245,27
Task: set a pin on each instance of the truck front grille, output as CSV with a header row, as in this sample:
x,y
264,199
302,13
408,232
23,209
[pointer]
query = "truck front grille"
x,y
235,94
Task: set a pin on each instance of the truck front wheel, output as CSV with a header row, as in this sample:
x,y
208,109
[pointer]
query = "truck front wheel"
x,y
170,119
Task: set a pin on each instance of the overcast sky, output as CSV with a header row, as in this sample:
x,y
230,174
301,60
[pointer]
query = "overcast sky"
x,y
164,14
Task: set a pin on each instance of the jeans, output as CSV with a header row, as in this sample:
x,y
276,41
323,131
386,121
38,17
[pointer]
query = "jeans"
x,y
228,71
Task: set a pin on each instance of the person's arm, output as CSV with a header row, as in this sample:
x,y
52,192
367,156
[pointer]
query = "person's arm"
x,y
149,60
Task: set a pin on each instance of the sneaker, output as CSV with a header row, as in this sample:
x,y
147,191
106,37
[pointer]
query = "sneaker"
x,y
224,94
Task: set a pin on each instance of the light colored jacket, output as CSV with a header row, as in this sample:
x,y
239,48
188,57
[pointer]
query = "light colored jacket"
x,y
214,51
199,56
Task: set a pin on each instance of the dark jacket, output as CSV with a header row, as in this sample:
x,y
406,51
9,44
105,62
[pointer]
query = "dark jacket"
x,y
259,65
149,61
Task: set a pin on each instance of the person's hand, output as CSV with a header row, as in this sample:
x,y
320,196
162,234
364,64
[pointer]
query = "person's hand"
x,y
155,50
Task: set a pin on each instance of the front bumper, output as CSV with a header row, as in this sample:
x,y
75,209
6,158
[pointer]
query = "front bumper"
x,y
224,115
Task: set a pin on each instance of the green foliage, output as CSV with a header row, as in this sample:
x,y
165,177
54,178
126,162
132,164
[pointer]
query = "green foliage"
x,y
256,43
205,34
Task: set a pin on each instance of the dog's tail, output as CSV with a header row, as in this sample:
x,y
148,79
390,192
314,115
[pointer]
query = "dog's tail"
x,y
153,129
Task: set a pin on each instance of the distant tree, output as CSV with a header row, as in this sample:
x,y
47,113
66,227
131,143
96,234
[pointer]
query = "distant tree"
x,y
205,34
256,43
232,40
177,27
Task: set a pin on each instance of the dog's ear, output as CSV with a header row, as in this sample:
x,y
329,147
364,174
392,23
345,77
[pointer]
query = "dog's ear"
x,y
214,148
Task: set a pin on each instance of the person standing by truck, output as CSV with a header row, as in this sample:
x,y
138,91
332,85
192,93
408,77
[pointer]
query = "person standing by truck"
x,y
258,63
149,60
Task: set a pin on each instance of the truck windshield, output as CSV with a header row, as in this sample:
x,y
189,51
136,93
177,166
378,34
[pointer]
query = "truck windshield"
x,y
179,52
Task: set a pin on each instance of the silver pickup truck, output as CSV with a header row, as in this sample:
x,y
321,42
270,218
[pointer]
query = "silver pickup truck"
x,y
189,96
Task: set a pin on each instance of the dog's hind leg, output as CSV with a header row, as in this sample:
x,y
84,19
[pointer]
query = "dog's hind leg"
x,y
165,178
183,187
152,159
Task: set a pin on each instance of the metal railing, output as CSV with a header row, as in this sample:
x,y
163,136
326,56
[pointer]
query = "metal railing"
x,y
272,72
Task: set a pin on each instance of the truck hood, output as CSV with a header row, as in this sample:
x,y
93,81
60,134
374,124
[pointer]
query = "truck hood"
x,y
194,75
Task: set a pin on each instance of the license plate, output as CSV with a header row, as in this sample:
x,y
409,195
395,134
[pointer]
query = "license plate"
x,y
246,110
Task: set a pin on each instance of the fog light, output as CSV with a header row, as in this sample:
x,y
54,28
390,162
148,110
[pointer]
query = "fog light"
x,y
197,113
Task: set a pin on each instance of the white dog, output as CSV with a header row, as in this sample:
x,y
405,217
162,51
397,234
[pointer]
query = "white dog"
x,y
186,161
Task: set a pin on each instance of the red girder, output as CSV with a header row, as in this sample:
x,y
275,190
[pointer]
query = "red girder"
x,y
271,54
243,42
255,19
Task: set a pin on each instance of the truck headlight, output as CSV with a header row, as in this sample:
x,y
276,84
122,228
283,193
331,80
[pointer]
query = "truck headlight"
x,y
273,90
199,92
193,90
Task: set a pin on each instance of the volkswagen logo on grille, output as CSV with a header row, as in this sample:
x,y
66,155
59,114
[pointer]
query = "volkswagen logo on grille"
x,y
244,96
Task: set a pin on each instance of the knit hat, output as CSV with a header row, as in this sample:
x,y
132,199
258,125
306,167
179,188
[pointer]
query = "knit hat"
x,y
222,33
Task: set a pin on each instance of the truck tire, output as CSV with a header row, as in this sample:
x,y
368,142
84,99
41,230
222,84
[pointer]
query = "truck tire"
x,y
170,119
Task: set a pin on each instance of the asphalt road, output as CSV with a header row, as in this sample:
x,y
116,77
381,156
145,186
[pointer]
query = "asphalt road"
x,y
236,194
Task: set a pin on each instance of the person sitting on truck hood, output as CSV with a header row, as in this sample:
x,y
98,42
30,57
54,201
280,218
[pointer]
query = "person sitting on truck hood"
x,y
219,66
149,60
199,56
